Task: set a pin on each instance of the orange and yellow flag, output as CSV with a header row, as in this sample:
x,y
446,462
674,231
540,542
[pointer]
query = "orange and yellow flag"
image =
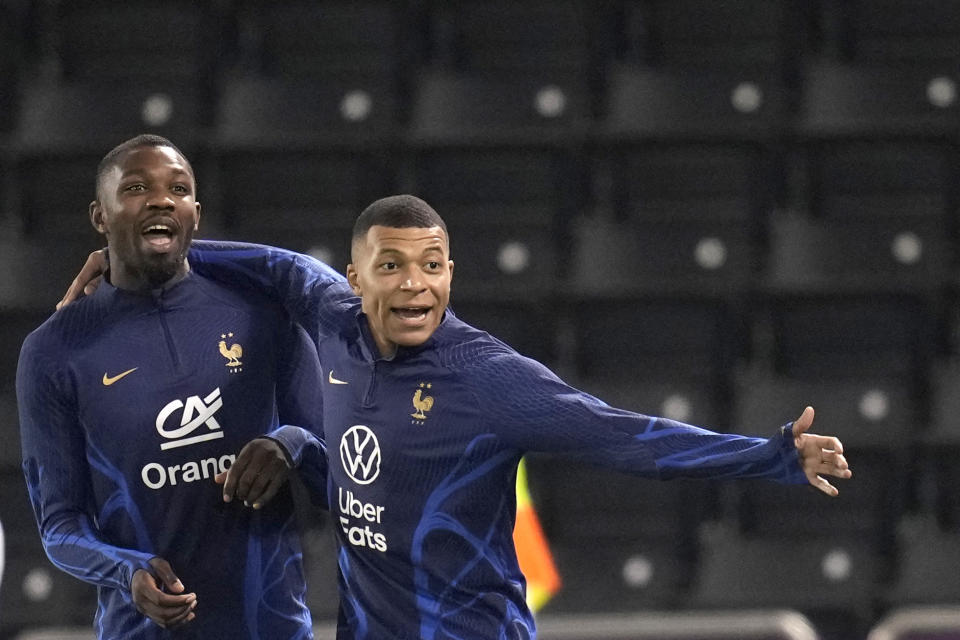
x,y
536,562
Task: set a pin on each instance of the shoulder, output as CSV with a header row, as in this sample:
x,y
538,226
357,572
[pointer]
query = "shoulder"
x,y
475,353
68,327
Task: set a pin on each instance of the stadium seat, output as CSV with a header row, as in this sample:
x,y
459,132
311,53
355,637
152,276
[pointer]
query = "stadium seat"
x,y
464,108
649,103
606,575
829,578
94,41
831,335
704,255
65,128
732,35
509,38
876,177
867,411
343,40
843,99
867,254
300,181
898,31
640,338
940,446
927,558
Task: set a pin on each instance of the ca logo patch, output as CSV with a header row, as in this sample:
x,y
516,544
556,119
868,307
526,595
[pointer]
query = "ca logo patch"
x,y
197,412
360,454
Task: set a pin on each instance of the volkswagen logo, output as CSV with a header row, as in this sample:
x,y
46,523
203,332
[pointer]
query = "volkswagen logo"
x,y
360,454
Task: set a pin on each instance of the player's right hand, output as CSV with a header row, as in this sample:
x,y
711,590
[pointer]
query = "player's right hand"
x,y
88,279
257,474
166,609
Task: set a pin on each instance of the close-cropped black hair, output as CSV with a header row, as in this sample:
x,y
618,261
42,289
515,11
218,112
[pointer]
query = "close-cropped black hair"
x,y
143,140
398,212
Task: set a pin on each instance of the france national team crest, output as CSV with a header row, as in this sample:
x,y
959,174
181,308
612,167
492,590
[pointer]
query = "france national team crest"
x,y
421,403
233,353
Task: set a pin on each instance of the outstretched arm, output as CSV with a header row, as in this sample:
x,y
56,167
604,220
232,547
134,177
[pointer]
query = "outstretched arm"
x,y
535,411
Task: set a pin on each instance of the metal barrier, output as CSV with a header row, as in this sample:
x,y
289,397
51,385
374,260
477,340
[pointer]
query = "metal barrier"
x,y
919,623
688,625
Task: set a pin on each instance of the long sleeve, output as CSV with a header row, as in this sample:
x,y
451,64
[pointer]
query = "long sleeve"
x,y
533,410
307,288
300,410
58,478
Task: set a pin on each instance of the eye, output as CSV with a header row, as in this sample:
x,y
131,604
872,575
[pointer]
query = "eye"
x,y
388,266
433,265
134,187
181,189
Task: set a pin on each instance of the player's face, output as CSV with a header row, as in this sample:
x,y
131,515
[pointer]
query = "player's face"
x,y
403,276
147,209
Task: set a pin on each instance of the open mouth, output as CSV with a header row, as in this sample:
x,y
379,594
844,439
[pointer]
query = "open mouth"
x,y
411,314
159,234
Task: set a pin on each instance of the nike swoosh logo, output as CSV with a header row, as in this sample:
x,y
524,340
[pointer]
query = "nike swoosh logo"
x,y
107,380
333,380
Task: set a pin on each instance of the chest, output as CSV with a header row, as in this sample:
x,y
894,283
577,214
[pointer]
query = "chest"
x,y
384,417
166,381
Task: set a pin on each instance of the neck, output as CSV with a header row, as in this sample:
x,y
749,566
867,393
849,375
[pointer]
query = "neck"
x,y
135,280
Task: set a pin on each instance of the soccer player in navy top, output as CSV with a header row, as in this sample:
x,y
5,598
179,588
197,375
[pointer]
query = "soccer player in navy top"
x,y
426,419
132,401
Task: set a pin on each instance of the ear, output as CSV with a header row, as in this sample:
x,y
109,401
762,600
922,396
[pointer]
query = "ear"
x,y
96,217
450,264
196,225
354,279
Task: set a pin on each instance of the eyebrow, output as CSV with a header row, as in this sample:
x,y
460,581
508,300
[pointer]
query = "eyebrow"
x,y
437,248
139,171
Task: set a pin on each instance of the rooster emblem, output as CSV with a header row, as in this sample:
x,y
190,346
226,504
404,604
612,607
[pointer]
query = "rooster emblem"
x,y
422,403
232,354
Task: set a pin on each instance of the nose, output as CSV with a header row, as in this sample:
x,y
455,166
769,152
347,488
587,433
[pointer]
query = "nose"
x,y
411,280
159,200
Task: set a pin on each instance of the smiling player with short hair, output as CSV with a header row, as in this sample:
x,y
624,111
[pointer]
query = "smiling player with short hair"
x,y
132,400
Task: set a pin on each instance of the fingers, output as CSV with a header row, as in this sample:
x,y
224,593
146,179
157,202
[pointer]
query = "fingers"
x,y
88,279
73,292
803,423
271,490
163,608
823,485
256,475
164,572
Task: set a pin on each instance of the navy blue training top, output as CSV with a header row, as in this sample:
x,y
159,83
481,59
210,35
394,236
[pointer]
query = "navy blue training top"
x,y
423,450
129,405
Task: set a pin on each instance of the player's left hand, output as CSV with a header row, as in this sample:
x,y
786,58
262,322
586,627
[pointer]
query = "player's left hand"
x,y
819,454
257,473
